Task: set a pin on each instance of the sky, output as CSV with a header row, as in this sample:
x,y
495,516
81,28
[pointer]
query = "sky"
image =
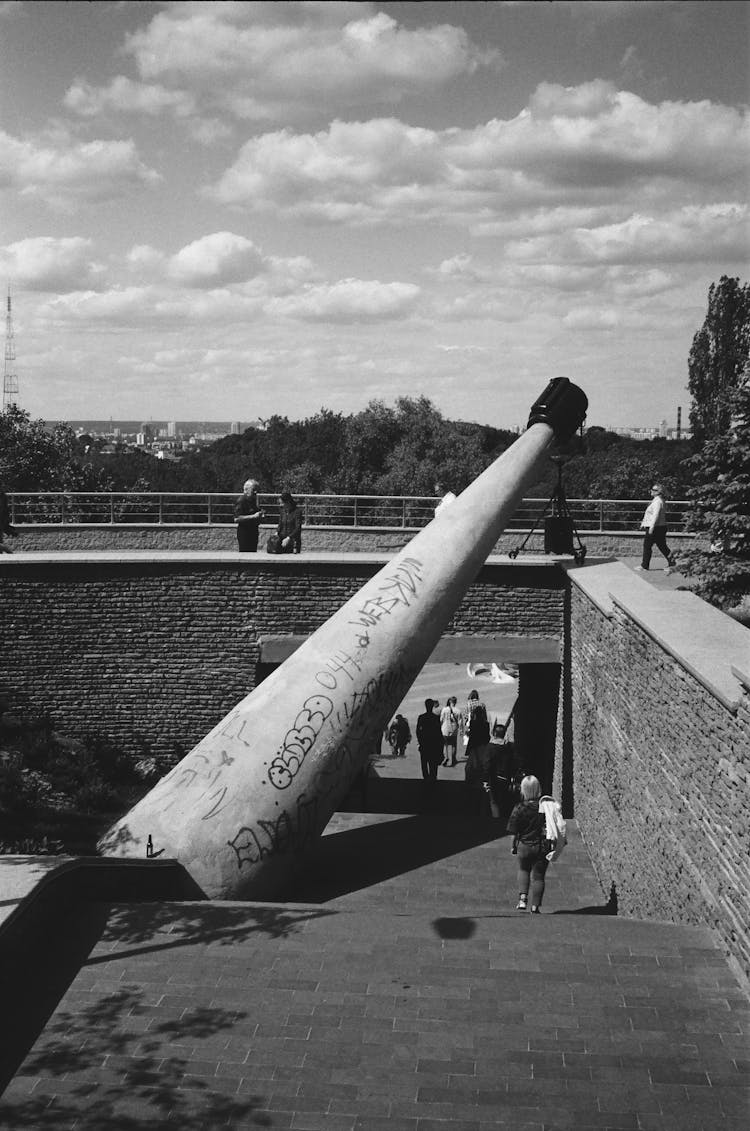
x,y
234,210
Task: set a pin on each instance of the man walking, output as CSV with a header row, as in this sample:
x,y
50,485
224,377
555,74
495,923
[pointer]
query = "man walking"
x,y
430,742
654,525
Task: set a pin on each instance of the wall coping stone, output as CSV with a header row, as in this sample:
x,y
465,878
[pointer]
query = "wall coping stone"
x,y
704,641
234,557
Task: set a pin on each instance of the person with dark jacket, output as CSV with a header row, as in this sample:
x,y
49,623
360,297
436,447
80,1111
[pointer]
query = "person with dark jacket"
x,y
429,741
497,773
289,531
5,526
247,516
399,736
528,826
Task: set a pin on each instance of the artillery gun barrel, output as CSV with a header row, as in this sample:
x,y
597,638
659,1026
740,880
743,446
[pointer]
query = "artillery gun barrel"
x,y
244,807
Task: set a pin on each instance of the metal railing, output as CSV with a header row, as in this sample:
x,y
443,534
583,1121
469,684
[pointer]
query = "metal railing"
x,y
394,512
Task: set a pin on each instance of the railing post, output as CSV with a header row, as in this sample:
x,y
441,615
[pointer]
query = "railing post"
x,y
601,515
62,510
209,515
111,508
161,509
403,514
356,512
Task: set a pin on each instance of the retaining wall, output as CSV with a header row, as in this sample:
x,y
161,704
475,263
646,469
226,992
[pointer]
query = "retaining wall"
x,y
154,649
655,726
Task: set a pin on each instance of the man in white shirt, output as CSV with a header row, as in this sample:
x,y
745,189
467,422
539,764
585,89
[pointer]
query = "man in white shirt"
x,y
654,525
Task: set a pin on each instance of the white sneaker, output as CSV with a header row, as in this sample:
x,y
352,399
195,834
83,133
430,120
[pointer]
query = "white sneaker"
x,y
640,569
667,569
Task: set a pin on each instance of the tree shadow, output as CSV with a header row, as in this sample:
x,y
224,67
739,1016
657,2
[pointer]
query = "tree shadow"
x,y
36,971
93,1070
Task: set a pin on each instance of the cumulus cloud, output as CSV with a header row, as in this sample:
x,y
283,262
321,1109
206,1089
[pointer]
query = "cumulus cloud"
x,y
216,260
260,61
64,173
587,146
124,95
47,263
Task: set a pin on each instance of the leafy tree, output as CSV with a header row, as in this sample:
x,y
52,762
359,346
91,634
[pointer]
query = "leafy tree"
x,y
718,356
721,509
35,458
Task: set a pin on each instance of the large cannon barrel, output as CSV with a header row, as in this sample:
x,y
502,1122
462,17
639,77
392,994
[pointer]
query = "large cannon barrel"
x,y
242,808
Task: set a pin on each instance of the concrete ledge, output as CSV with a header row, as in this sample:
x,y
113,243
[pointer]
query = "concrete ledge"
x,y
34,889
458,649
233,557
713,647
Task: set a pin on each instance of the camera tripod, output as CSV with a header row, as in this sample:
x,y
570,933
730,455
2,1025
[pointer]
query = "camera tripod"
x,y
558,522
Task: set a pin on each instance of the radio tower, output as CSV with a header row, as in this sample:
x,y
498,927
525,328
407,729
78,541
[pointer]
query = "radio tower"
x,y
10,381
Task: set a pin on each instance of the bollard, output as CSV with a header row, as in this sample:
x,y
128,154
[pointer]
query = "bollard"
x,y
246,804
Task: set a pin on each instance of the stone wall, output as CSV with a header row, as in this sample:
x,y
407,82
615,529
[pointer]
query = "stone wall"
x,y
656,716
51,539
153,650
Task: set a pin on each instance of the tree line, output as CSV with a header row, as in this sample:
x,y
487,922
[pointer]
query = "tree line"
x,y
409,447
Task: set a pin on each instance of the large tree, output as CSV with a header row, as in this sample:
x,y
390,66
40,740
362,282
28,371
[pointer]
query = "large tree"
x,y
34,457
721,510
718,357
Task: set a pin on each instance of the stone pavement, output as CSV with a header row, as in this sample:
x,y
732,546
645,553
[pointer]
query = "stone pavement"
x,y
400,990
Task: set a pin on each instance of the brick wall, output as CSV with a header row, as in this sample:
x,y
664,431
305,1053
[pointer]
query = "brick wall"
x,y
159,651
661,761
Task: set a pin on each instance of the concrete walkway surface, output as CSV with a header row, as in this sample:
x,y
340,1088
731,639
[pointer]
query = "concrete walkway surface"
x,y
403,992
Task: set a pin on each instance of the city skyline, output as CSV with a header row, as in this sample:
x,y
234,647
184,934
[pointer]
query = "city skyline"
x,y
264,209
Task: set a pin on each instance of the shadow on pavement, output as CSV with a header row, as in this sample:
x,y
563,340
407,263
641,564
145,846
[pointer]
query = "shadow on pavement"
x,y
358,858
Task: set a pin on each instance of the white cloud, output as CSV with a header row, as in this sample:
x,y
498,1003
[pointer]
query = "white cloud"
x,y
260,61
48,263
216,260
589,146
713,233
65,173
125,96
349,300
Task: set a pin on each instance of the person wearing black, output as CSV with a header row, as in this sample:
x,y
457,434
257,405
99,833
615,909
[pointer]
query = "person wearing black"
x,y
289,532
497,773
247,515
528,827
5,526
399,736
429,741
476,729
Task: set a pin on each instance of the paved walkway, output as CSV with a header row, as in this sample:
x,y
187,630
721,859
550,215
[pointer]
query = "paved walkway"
x,y
403,992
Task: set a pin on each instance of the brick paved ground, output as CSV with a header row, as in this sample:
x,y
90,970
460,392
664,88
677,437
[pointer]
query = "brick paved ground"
x,y
404,992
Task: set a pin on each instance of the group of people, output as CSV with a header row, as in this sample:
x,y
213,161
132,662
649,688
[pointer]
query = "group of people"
x,y
496,780
248,516
439,733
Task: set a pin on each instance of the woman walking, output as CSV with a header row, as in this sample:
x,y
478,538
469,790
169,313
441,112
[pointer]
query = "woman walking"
x,y
532,822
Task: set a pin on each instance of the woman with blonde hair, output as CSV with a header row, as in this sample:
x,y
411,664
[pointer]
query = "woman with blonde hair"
x,y
528,824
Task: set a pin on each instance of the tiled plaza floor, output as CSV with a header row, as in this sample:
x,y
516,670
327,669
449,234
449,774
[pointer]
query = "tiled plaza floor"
x,y
403,992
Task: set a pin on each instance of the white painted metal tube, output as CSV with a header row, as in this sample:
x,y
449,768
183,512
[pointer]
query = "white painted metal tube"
x,y
255,793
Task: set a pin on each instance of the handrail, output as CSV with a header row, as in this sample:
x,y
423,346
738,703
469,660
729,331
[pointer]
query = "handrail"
x,y
216,508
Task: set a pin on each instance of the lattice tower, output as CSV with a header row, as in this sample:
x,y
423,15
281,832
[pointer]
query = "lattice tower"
x,y
10,381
